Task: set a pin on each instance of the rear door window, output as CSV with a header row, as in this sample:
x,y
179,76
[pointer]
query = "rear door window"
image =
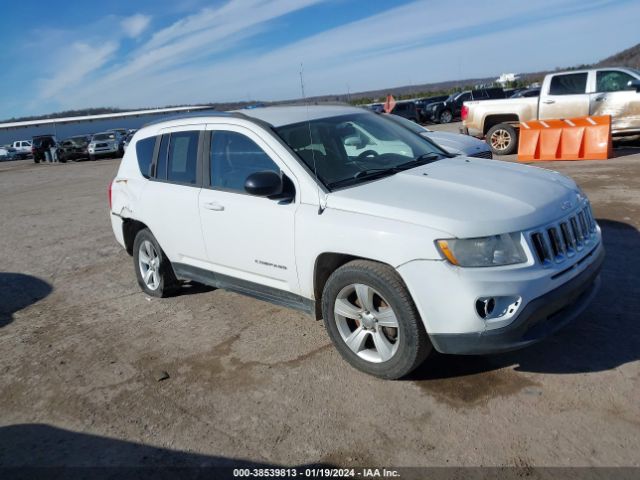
x,y
568,84
182,161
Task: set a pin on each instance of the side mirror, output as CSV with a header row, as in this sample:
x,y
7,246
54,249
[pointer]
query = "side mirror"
x,y
634,85
264,184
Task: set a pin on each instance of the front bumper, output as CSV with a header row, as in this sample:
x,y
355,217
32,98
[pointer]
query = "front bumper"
x,y
541,318
537,301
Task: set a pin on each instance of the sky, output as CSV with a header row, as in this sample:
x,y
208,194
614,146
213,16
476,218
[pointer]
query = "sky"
x,y
69,54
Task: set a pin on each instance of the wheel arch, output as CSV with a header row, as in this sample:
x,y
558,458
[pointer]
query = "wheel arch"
x,y
493,120
326,263
130,229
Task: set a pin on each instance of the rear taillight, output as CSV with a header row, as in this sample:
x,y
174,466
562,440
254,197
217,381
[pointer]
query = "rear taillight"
x,y
464,113
110,194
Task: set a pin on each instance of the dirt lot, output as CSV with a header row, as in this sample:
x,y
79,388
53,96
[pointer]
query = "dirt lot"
x,y
82,349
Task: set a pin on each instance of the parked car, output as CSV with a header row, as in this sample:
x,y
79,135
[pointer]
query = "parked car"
x,y
121,134
399,247
376,107
22,148
8,153
451,109
577,93
454,143
104,144
526,93
74,148
408,110
127,139
422,105
41,144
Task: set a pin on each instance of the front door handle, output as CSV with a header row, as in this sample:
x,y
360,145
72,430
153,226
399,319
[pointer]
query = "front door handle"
x,y
216,207
600,99
549,102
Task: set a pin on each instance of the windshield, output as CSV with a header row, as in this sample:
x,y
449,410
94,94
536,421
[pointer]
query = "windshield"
x,y
354,148
103,136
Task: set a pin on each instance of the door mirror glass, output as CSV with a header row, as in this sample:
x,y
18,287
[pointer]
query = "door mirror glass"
x,y
264,184
634,85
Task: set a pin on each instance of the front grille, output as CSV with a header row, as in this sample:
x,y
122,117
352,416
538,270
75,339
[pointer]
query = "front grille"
x,y
485,154
562,240
101,145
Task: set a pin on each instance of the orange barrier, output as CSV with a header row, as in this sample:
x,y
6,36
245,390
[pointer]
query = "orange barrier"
x,y
584,138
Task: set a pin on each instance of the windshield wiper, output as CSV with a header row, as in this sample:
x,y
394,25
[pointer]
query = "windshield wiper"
x,y
416,162
370,173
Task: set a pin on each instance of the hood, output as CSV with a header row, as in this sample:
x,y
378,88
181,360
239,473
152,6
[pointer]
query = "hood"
x,y
464,197
457,143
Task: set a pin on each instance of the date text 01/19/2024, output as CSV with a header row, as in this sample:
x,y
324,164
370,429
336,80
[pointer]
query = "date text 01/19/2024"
x,y
315,473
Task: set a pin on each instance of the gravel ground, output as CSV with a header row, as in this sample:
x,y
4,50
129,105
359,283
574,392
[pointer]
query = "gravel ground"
x,y
83,352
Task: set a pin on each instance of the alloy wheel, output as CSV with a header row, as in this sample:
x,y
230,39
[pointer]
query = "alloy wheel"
x,y
367,323
149,263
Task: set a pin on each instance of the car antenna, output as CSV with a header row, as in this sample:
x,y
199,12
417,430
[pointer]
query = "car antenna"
x,y
313,152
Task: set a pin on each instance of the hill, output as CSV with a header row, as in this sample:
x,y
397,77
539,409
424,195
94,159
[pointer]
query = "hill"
x,y
627,58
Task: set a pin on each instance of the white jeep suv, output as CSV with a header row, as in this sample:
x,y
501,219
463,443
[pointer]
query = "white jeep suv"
x,y
351,217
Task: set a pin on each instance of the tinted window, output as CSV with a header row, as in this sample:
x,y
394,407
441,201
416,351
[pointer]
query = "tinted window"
x,y
463,98
144,152
571,84
161,168
183,157
612,81
233,158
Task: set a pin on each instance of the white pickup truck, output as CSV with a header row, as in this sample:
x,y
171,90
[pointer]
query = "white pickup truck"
x,y
578,93
23,148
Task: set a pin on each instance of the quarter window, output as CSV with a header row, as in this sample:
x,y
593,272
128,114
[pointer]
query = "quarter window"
x,y
144,152
233,158
612,81
570,84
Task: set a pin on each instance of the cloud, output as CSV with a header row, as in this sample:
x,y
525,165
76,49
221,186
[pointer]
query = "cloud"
x,y
214,55
83,59
134,25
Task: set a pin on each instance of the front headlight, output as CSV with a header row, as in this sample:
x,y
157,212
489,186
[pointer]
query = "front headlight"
x,y
505,249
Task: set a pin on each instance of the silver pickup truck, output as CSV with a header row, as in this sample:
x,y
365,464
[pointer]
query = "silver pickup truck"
x,y
577,93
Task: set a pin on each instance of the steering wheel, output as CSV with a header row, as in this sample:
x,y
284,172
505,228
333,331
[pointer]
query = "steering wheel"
x,y
367,153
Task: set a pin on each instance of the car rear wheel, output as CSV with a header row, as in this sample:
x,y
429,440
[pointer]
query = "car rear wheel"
x,y
153,270
445,116
503,139
372,320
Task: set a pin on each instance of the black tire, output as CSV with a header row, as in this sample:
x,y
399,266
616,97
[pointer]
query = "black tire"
x,y
167,282
92,158
503,139
445,116
413,343
36,159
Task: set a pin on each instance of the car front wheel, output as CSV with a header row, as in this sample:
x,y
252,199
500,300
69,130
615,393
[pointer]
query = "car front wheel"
x,y
153,269
372,320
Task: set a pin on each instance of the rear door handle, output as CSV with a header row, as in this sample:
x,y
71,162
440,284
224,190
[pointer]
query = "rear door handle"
x,y
549,102
216,207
